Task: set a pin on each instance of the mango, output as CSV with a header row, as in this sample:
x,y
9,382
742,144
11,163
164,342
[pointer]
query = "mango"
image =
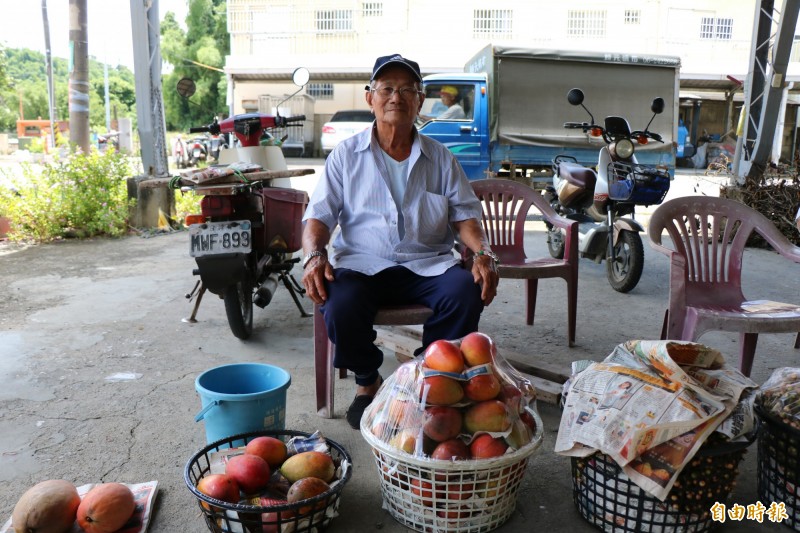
x,y
442,423
490,415
308,464
48,507
442,390
306,488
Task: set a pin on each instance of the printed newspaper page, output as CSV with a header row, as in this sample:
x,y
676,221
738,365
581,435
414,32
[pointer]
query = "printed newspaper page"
x,y
647,411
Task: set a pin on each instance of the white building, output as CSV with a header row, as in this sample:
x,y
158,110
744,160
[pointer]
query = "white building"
x,y
338,41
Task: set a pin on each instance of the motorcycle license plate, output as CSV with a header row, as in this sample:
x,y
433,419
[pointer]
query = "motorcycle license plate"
x,y
212,238
197,152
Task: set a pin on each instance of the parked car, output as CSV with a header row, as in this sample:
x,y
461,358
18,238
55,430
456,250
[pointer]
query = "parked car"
x,y
342,125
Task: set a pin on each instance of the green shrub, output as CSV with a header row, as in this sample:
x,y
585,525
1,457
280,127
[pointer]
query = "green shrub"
x,y
186,203
83,195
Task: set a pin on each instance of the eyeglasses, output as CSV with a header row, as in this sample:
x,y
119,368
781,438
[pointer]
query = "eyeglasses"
x,y
387,92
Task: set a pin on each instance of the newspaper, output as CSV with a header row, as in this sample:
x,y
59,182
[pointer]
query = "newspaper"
x,y
144,493
650,405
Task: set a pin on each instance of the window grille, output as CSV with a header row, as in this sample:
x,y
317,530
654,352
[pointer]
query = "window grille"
x,y
490,22
720,29
586,23
320,91
632,16
372,9
334,20
724,29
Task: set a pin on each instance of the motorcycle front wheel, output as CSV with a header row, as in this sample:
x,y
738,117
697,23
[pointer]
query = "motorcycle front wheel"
x,y
625,270
239,308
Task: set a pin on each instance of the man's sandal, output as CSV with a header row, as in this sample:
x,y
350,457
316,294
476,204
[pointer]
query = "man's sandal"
x,y
359,405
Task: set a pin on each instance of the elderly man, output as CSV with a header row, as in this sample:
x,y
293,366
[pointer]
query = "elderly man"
x,y
399,199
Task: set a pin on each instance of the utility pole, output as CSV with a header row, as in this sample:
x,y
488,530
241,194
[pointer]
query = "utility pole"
x,y
145,26
773,34
51,99
78,75
151,202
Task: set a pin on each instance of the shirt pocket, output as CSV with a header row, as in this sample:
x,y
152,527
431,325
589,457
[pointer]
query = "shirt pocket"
x,y
433,218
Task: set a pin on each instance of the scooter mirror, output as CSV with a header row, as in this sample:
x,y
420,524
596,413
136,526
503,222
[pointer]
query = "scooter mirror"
x,y
575,96
300,76
657,106
186,87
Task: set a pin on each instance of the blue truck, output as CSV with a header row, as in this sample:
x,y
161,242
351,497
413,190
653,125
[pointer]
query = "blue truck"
x,y
514,103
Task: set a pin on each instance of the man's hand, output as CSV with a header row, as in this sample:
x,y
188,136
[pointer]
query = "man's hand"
x,y
484,272
316,272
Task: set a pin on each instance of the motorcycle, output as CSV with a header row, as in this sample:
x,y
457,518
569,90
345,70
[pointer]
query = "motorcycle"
x,y
197,150
215,144
604,201
179,152
244,238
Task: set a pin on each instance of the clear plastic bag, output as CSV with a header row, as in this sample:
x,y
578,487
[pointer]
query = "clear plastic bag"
x,y
779,396
460,401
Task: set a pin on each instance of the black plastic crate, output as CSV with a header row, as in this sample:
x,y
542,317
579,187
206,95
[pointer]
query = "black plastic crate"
x,y
609,500
778,471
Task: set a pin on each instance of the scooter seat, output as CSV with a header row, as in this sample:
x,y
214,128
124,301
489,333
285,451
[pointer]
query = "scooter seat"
x,y
577,175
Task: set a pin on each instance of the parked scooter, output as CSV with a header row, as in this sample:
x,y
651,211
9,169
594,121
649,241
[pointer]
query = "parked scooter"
x,y
604,201
216,143
179,152
246,233
197,150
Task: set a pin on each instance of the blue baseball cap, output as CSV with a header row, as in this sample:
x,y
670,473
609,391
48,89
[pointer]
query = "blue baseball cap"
x,y
395,59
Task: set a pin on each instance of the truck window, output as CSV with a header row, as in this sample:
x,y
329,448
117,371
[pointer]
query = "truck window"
x,y
448,101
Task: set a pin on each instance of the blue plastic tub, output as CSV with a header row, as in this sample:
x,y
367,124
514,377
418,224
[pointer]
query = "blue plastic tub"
x,y
241,398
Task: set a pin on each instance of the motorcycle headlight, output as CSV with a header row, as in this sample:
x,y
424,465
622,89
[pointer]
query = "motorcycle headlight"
x,y
624,148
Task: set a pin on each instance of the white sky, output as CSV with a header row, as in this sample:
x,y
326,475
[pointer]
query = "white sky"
x,y
109,25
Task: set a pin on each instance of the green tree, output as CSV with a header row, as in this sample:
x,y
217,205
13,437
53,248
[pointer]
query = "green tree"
x,y
25,86
204,44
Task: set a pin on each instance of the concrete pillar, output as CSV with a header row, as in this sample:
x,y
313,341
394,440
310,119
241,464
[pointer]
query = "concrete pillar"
x,y
149,201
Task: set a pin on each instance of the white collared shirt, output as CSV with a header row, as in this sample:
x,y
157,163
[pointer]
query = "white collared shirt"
x,y
354,193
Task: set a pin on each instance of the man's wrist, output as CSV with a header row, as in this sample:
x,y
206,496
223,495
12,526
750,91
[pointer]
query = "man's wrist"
x,y
488,253
311,255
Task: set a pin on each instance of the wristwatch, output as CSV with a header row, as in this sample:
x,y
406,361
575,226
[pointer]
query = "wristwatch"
x,y
489,253
311,255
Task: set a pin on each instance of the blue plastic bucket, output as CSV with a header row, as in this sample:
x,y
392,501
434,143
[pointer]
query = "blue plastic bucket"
x,y
242,398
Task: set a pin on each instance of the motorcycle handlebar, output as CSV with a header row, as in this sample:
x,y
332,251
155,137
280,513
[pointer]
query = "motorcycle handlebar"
x,y
577,125
296,118
199,129
651,135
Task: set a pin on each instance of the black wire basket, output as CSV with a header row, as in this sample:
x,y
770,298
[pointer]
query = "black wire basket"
x,y
778,470
637,184
609,500
309,515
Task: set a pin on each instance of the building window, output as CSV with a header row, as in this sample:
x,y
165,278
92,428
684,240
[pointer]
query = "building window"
x,y
632,16
586,23
372,9
720,29
794,57
334,20
320,91
489,22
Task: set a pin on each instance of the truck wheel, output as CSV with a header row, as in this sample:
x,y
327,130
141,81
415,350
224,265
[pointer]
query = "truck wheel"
x,y
239,308
626,269
555,243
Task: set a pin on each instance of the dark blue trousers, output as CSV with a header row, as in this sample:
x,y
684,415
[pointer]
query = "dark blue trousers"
x,y
354,299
